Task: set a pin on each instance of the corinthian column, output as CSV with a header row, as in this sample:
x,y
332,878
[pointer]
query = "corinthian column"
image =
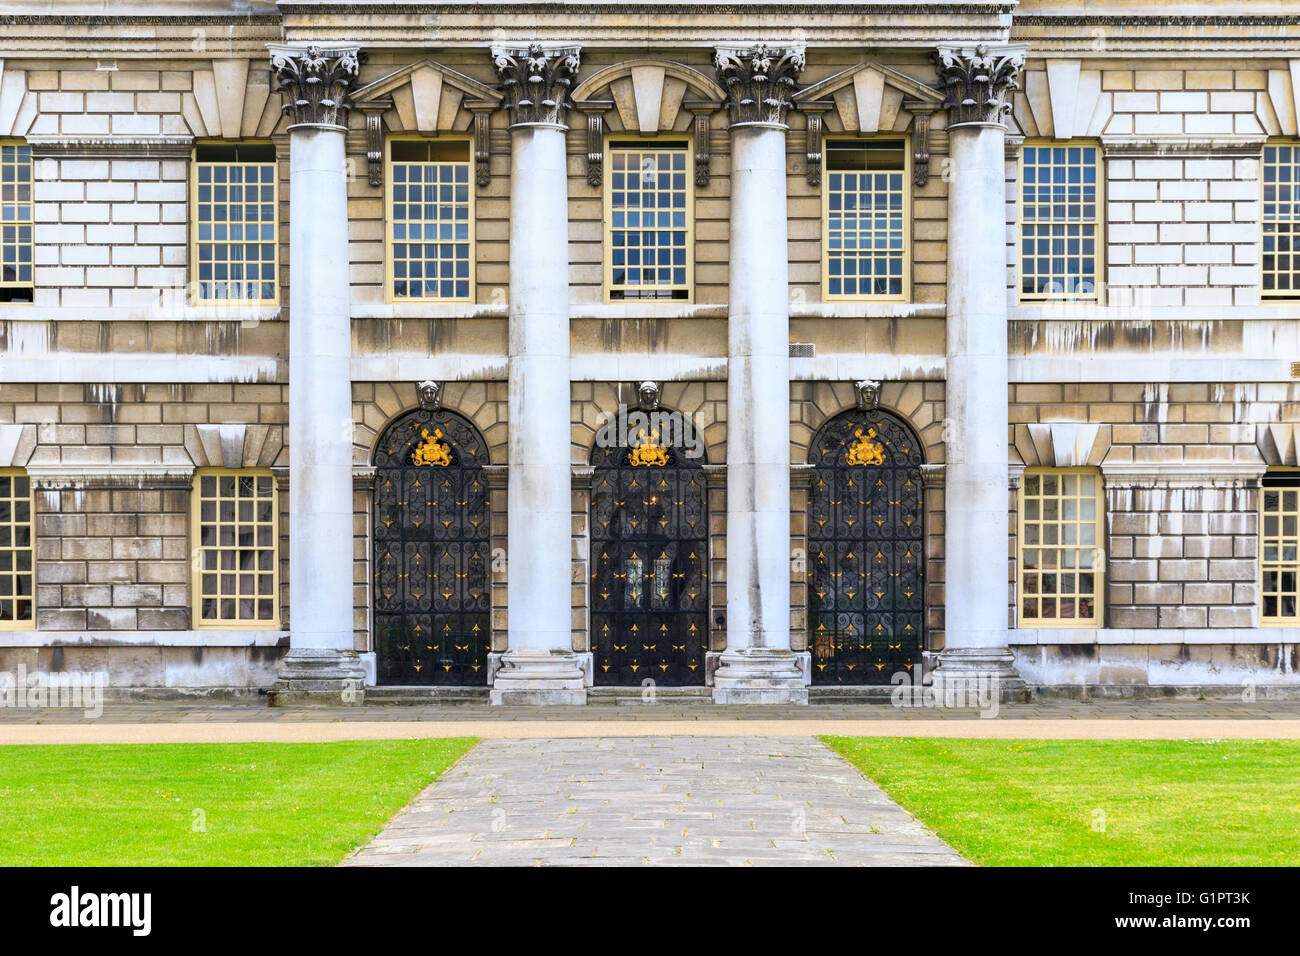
x,y
758,666
539,666
322,661
976,81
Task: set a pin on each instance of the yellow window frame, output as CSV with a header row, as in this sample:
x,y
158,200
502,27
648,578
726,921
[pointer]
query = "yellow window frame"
x,y
627,139
1098,569
1280,539
199,549
29,221
1098,223
468,143
908,248
195,280
13,574
1294,221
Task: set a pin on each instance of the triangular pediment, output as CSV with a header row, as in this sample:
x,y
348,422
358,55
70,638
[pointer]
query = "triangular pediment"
x,y
472,89
825,89
869,98
426,97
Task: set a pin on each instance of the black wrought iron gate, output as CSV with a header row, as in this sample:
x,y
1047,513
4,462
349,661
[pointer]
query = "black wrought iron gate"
x,y
432,552
866,551
649,580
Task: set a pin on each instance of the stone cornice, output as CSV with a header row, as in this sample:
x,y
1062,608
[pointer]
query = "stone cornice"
x,y
642,24
1173,36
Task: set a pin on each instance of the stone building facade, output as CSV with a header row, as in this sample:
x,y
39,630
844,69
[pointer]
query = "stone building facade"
x,y
779,351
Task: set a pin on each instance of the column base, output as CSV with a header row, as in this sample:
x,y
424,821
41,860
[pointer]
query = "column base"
x,y
319,675
760,676
967,670
539,679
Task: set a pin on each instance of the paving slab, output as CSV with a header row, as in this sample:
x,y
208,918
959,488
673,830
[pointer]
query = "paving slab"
x,y
654,800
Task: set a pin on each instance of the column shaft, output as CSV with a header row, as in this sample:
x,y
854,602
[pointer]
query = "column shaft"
x,y
976,477
322,661
976,401
758,396
539,501
539,665
758,666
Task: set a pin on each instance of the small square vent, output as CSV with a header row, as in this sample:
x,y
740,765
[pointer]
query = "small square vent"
x,y
802,350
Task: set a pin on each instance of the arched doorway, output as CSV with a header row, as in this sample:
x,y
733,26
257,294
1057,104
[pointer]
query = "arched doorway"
x,y
866,550
431,552
649,560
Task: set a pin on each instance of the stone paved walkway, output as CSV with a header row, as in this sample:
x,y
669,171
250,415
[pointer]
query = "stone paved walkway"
x,y
678,800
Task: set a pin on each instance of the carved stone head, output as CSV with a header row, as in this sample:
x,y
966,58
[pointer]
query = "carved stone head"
x,y
868,395
429,394
648,396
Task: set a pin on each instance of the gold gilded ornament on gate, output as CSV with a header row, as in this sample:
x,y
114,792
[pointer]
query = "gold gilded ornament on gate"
x,y
649,452
865,451
431,451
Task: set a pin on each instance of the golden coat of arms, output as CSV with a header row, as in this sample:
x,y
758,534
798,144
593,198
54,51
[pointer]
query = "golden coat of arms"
x,y
865,451
431,451
649,451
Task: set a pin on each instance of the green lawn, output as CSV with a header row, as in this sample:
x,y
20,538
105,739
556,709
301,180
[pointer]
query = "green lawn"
x,y
207,804
1045,802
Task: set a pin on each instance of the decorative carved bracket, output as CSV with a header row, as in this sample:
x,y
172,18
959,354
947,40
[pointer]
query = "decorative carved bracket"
x,y
482,146
314,81
920,140
814,148
703,150
759,81
595,148
375,146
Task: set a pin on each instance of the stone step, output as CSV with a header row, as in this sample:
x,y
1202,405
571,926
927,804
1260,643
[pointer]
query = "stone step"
x,y
865,694
630,696
426,695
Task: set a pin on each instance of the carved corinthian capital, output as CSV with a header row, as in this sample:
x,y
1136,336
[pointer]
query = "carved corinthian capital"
x,y
759,80
976,81
314,81
536,80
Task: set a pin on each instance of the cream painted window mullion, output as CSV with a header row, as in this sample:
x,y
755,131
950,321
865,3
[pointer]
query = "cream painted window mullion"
x,y
17,551
1061,562
236,542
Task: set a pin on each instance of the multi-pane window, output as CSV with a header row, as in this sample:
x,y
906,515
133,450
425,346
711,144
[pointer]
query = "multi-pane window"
x,y
235,524
866,219
1061,559
1279,544
648,221
16,550
15,222
1059,221
430,209
234,223
1281,221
